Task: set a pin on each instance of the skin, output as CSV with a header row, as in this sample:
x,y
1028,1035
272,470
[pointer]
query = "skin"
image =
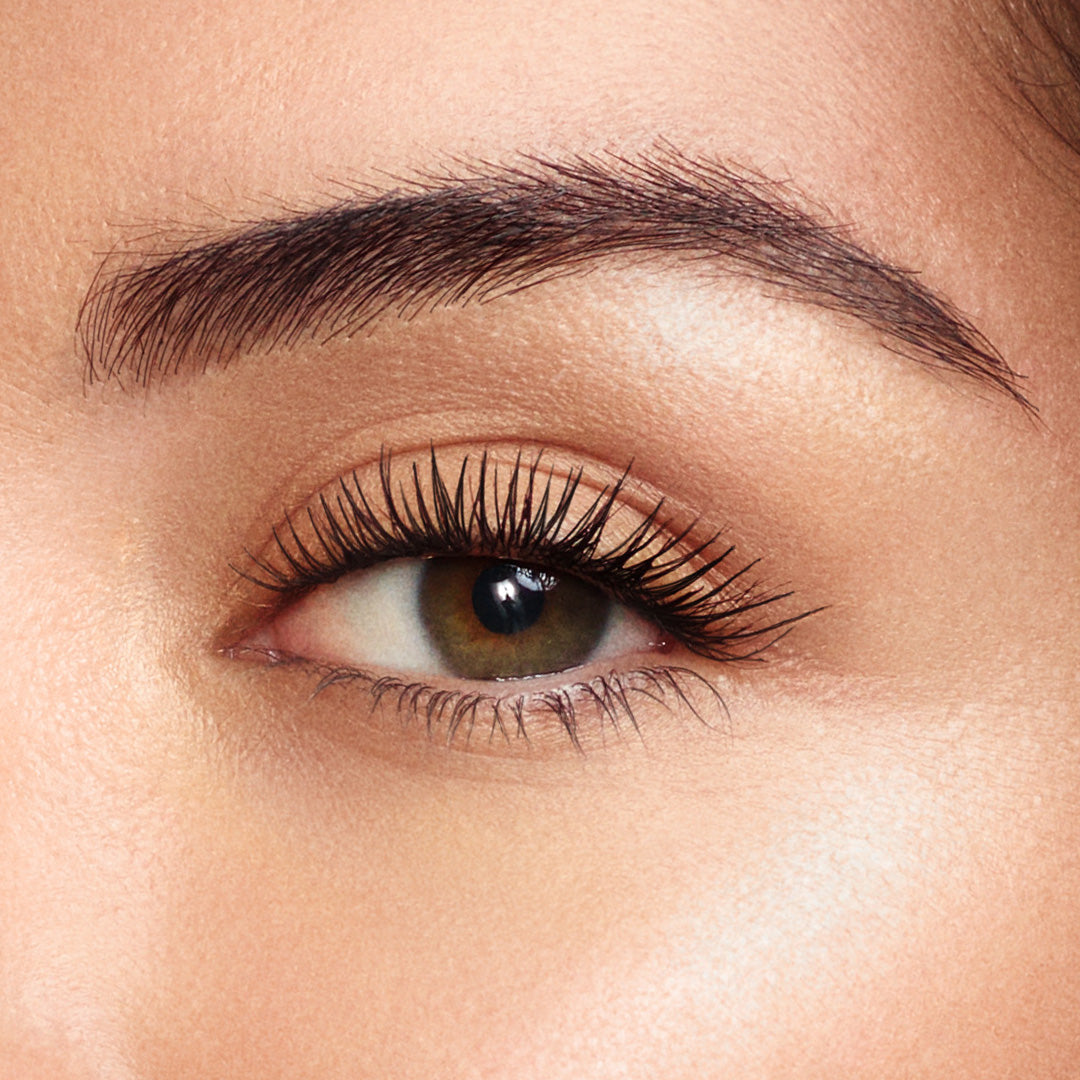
x,y
869,869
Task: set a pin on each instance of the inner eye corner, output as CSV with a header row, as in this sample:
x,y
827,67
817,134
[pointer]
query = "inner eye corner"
x,y
257,593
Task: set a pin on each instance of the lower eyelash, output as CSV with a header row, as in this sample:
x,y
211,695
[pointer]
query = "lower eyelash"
x,y
459,714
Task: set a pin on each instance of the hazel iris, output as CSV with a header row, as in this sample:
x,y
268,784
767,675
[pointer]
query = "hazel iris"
x,y
494,619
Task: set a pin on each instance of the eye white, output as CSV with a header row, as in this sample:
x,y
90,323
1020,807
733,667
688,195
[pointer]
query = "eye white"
x,y
371,619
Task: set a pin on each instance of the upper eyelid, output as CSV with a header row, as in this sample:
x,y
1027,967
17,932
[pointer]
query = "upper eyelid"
x,y
653,565
395,527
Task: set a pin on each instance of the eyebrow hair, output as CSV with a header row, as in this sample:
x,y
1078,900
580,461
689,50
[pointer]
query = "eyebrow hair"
x,y
494,230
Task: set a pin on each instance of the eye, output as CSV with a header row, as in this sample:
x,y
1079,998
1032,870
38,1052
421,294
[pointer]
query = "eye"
x,y
473,587
460,618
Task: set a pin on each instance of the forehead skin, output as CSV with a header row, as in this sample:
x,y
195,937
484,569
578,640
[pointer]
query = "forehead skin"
x,y
875,876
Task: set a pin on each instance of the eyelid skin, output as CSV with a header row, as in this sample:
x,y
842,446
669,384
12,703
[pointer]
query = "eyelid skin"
x,y
533,505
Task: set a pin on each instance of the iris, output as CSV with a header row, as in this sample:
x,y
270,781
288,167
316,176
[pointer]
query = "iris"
x,y
493,619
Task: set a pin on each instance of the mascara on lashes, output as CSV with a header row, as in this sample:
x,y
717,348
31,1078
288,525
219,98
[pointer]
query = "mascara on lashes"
x,y
535,516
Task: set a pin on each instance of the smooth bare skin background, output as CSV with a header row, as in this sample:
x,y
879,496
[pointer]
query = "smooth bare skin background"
x,y
872,871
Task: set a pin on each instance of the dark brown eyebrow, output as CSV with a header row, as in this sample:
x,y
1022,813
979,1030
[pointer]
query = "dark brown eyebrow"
x,y
452,239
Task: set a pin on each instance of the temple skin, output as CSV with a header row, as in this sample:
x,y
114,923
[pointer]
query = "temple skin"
x,y
863,864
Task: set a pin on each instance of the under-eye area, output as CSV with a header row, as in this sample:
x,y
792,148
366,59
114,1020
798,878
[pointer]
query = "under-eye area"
x,y
505,589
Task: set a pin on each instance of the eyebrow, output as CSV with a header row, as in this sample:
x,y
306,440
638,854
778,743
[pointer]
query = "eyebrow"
x,y
443,240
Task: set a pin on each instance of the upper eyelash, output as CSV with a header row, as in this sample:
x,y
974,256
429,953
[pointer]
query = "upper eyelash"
x,y
529,520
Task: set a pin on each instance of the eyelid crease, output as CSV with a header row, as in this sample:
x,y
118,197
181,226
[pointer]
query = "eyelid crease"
x,y
539,515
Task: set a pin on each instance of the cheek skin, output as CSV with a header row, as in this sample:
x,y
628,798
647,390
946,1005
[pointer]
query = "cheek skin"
x,y
556,932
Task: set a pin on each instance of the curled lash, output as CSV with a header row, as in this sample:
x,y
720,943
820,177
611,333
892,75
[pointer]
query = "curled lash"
x,y
529,520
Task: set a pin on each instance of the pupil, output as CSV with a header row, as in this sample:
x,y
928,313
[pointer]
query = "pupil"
x,y
508,598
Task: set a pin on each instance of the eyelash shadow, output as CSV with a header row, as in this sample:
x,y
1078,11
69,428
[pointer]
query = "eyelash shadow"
x,y
531,519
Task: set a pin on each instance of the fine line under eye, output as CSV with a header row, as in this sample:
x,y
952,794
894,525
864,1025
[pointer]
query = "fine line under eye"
x,y
529,511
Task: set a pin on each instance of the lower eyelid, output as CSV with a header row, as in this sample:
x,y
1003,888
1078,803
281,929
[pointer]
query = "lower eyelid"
x,y
585,713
